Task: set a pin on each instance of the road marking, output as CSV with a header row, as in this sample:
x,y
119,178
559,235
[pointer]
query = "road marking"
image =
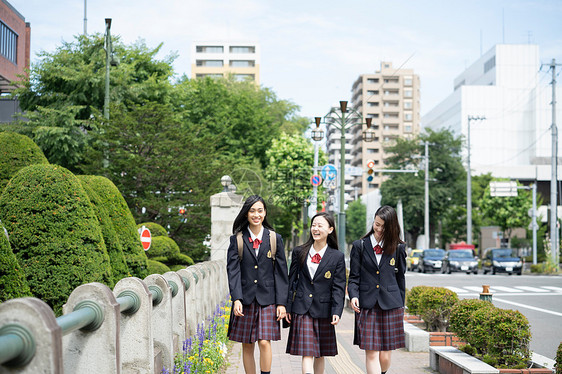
x,y
475,289
493,289
532,289
528,307
557,289
456,290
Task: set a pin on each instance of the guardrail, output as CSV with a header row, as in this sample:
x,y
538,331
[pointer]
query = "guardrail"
x,y
135,328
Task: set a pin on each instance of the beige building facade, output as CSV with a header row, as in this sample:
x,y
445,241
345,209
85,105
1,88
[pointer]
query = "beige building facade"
x,y
220,59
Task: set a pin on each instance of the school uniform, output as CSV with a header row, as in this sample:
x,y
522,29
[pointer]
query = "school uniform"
x,y
317,293
379,283
260,283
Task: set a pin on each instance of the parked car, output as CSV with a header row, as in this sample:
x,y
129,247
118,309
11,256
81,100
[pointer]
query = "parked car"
x,y
431,260
413,258
460,260
501,260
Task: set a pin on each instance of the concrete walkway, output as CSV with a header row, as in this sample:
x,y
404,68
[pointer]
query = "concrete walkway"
x,y
350,359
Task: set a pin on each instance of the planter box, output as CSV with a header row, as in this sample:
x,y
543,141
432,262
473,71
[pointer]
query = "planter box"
x,y
444,339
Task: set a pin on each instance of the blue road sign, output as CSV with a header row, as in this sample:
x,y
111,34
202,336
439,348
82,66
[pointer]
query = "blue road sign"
x,y
329,172
315,180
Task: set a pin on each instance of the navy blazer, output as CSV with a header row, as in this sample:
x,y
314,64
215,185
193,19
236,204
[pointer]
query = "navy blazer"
x,y
384,283
324,295
257,278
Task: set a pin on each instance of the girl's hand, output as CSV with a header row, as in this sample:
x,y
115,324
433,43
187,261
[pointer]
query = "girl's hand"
x,y
355,304
288,318
237,308
281,312
335,319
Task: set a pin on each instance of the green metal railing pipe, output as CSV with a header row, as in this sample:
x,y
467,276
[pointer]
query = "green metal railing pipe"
x,y
17,346
129,302
87,316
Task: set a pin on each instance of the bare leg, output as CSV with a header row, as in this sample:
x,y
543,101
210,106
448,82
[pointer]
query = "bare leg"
x,y
319,365
372,362
307,364
248,358
265,355
384,358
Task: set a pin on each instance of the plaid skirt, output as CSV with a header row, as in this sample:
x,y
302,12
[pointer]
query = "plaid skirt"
x,y
259,323
311,336
379,330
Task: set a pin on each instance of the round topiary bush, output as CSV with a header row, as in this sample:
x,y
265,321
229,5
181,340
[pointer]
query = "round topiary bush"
x,y
13,283
156,267
112,243
54,232
166,250
413,299
124,225
435,306
461,315
17,151
155,229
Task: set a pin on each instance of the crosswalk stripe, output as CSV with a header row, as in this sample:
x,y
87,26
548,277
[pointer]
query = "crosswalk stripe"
x,y
494,289
474,289
533,289
456,290
556,289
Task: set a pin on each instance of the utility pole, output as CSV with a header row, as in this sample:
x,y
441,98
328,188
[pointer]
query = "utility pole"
x,y
85,18
554,178
469,183
426,185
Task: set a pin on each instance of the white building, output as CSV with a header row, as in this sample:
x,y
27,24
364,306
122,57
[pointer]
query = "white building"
x,y
508,87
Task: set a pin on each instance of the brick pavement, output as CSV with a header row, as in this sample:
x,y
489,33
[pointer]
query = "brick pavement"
x,y
350,359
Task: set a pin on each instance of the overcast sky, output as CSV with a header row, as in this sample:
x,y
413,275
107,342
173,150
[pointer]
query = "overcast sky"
x,y
312,50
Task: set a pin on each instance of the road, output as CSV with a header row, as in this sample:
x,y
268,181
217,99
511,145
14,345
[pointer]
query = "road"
x,y
538,297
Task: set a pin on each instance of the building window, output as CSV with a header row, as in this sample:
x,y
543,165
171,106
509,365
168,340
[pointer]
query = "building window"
x,y
242,63
209,75
373,103
407,93
373,92
408,116
209,49
407,104
490,64
407,127
391,80
8,43
373,185
373,80
242,49
210,63
407,81
373,115
244,77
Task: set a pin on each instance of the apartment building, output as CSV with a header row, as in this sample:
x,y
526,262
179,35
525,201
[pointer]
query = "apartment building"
x,y
219,59
15,35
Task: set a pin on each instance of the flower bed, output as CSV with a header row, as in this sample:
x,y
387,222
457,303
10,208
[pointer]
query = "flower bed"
x,y
205,352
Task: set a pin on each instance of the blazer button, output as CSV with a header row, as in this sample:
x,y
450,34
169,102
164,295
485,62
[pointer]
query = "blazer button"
x,y
255,267
377,286
311,282
310,295
256,281
378,272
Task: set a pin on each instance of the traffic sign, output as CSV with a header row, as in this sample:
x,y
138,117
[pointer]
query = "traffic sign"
x,y
503,188
315,180
145,237
353,171
329,172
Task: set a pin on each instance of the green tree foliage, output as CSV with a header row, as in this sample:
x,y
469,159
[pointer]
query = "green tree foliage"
x,y
113,244
13,283
507,212
123,223
154,228
54,232
446,175
291,158
17,151
356,217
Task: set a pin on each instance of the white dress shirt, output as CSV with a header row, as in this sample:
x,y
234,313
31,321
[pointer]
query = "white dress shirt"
x,y
374,242
254,237
311,265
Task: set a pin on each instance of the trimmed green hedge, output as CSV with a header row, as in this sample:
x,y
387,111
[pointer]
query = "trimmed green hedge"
x,y
433,304
461,315
166,250
12,279
558,364
124,225
112,243
54,232
155,229
156,267
17,151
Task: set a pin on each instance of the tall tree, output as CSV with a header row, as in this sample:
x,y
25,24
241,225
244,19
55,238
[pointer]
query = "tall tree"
x,y
355,217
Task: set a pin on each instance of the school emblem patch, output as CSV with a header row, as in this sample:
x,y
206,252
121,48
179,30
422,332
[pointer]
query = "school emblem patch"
x,y
392,262
328,275
269,254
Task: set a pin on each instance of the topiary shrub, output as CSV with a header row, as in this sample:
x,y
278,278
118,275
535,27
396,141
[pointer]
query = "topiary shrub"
x,y
16,152
155,267
113,245
155,229
166,250
177,267
54,232
461,315
413,299
13,283
558,363
124,224
433,305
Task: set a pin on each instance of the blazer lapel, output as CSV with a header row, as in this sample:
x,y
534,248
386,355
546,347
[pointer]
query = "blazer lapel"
x,y
264,246
368,248
247,243
323,263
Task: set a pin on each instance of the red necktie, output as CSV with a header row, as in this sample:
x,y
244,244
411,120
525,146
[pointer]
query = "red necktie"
x,y
378,249
316,259
255,242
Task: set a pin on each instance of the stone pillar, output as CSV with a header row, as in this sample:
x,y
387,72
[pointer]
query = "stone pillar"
x,y
95,349
178,310
224,209
137,349
36,318
190,301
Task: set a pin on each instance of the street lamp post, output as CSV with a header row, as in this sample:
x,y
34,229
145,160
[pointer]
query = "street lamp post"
x,y
343,123
110,60
469,183
317,135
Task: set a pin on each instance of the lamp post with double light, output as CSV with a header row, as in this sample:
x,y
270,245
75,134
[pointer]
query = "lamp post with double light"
x,y
110,60
343,119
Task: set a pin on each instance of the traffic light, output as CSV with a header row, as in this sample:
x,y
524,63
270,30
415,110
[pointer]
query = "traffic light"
x,y
370,170
182,210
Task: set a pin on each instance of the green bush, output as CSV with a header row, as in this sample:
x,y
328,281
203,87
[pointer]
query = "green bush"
x,y
155,267
13,283
558,363
124,225
16,152
433,305
166,250
461,315
119,267
177,267
54,232
155,229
